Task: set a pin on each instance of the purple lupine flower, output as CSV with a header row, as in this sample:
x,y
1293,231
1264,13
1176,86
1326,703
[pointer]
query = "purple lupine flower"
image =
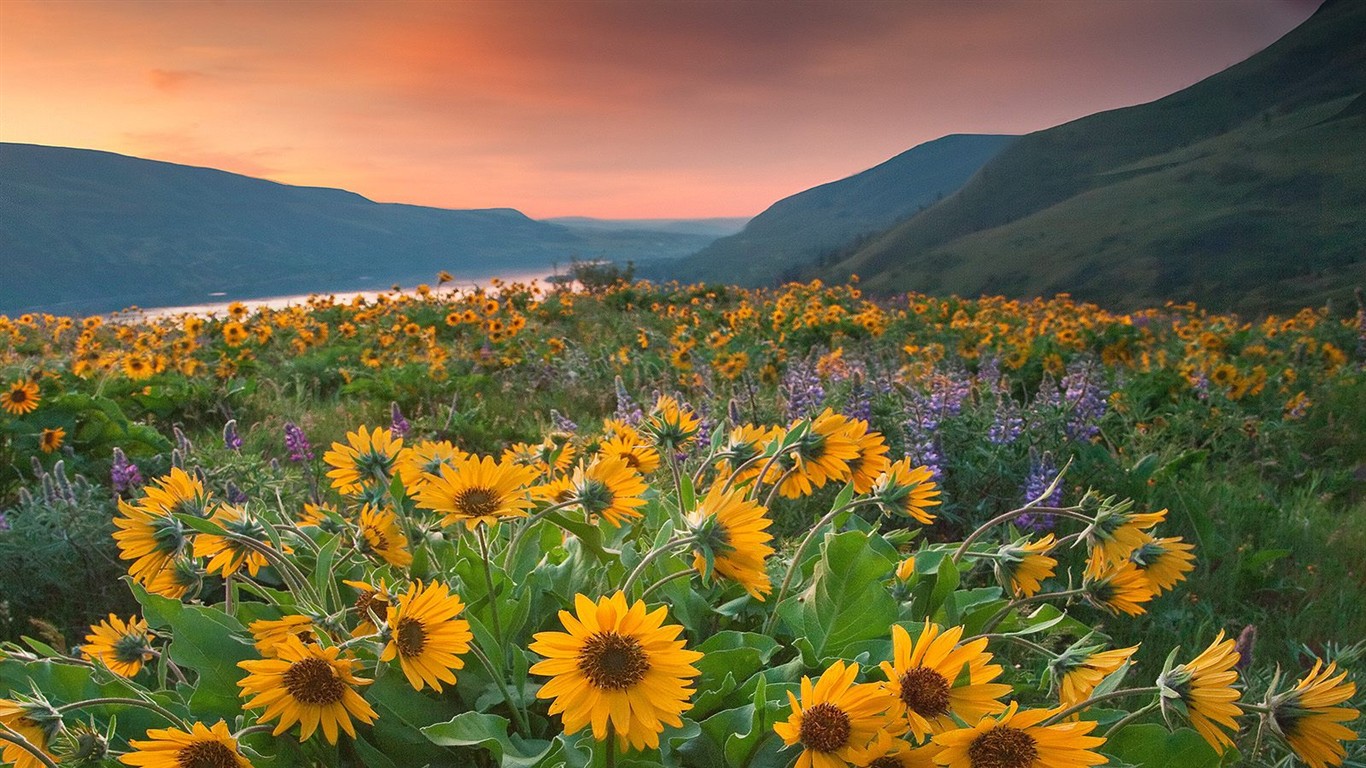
x,y
1085,397
733,412
296,442
4,522
922,443
989,373
562,423
859,405
235,495
1007,422
398,426
1042,470
182,442
628,412
231,438
801,388
123,474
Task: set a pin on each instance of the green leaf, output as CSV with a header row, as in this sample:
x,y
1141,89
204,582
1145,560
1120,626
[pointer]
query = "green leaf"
x,y
1151,745
847,601
490,732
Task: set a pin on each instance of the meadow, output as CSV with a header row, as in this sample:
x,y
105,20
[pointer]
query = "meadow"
x,y
636,524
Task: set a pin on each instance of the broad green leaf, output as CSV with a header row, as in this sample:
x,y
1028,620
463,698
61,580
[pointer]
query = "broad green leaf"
x,y
490,732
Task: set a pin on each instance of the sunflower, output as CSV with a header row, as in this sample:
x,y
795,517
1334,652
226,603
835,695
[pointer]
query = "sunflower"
x,y
137,367
732,539
821,455
1203,691
478,491
122,646
179,577
872,461
425,458
671,424
610,488
1120,588
1308,717
835,719
271,634
744,444
22,397
381,535
639,456
306,684
907,491
178,492
200,747
1022,566
151,539
51,439
366,460
1116,532
427,637
372,602
937,678
227,555
1015,739
324,516
888,750
24,719
1163,562
619,665
1080,669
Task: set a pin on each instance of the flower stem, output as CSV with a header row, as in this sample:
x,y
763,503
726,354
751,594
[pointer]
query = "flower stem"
x,y
502,687
671,577
651,556
1094,700
1129,718
174,718
17,739
797,556
526,525
1072,512
482,535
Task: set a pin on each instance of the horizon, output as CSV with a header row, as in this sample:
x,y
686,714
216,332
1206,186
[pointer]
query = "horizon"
x,y
695,111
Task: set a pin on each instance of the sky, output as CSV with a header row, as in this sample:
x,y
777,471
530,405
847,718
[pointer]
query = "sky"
x,y
631,109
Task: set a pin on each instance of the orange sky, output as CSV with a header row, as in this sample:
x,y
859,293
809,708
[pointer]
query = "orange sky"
x,y
610,109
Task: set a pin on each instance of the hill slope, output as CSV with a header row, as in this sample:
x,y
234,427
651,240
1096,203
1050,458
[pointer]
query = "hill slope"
x,y
815,224
1245,191
88,231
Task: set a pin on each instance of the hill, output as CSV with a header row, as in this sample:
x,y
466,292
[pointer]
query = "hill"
x,y
816,224
89,231
1245,191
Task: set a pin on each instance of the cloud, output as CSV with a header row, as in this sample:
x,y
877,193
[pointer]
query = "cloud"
x,y
174,80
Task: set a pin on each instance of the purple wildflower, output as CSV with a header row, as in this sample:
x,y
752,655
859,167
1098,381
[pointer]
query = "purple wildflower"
x,y
398,426
1085,397
123,474
296,442
628,412
562,423
801,388
231,438
235,495
1042,470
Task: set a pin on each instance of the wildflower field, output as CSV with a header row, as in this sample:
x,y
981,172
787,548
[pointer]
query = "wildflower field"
x,y
698,526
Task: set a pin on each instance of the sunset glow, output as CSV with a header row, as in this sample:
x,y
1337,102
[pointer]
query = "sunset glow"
x,y
631,109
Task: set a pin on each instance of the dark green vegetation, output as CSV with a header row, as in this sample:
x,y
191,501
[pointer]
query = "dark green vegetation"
x,y
85,231
1246,191
814,226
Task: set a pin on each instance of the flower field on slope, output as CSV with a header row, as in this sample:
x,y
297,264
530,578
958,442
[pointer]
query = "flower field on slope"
x,y
681,526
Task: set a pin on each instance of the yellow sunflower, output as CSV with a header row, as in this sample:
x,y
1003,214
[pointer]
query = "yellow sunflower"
x,y
937,678
639,456
1080,669
733,539
200,747
478,491
871,461
271,634
671,424
888,750
610,488
1117,532
619,665
822,455
372,602
51,440
151,539
1163,562
226,554
179,577
907,491
21,718
22,397
1022,566
1015,739
835,719
742,445
365,461
1120,588
425,458
381,536
427,637
122,646
178,492
324,516
1309,718
306,684
1202,690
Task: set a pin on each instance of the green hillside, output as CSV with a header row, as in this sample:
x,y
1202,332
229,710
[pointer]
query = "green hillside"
x,y
813,226
1245,191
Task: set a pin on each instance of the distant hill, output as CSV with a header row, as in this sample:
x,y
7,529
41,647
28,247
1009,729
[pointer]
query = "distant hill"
x,y
803,229
86,231
1246,191
712,228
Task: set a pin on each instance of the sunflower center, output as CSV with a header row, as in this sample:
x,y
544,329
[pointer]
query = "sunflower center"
x,y
825,728
925,691
632,460
370,601
1003,747
18,396
206,754
476,502
886,762
411,637
613,661
129,648
314,681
